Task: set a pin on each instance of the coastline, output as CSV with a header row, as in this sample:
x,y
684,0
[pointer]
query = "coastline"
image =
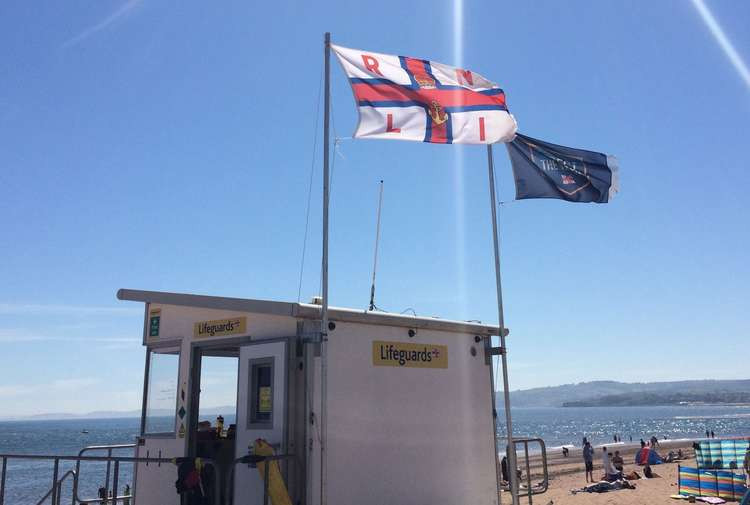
x,y
567,474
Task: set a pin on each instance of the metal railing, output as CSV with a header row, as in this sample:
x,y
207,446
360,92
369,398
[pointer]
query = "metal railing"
x,y
540,486
109,449
59,488
252,461
115,460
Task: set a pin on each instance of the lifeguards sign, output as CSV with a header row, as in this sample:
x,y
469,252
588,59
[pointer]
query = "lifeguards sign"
x,y
405,98
220,327
408,355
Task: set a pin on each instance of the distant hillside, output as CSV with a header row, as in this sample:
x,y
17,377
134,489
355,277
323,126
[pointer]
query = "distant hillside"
x,y
114,414
634,399
556,396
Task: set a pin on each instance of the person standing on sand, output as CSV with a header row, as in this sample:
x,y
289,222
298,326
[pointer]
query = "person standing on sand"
x,y
588,460
605,460
712,434
707,434
746,463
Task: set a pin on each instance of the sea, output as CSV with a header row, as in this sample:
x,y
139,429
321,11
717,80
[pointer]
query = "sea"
x,y
28,481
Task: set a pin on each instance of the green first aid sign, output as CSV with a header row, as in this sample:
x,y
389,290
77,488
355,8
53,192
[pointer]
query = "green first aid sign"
x,y
154,318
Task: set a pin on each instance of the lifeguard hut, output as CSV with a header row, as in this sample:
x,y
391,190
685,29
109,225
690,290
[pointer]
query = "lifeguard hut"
x,y
408,403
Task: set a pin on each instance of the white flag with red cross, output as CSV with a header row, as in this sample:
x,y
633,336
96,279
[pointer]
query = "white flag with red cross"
x,y
405,98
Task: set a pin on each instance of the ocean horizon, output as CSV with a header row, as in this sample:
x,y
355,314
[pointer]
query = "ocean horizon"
x,y
27,481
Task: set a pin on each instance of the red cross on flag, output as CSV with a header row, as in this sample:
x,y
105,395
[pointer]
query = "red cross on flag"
x,y
411,99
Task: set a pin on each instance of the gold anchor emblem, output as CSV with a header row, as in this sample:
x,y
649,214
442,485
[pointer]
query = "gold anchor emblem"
x,y
438,115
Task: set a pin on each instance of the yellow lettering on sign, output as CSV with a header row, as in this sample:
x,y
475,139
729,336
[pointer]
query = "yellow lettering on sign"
x,y
220,327
408,355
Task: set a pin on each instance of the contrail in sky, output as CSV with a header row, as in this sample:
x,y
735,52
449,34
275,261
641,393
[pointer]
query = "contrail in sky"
x,y
104,23
726,45
458,174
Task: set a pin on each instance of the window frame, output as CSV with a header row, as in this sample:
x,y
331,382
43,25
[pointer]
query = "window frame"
x,y
252,396
171,348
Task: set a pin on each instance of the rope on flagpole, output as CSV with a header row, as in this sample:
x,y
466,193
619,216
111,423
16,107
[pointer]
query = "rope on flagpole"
x,y
330,192
309,188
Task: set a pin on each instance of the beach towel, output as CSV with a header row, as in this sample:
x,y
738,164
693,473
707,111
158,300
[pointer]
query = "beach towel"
x,y
705,499
605,487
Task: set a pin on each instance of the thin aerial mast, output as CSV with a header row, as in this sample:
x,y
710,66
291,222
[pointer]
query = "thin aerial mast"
x,y
377,240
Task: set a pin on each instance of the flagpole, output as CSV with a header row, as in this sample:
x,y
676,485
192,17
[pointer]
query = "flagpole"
x,y
511,455
324,281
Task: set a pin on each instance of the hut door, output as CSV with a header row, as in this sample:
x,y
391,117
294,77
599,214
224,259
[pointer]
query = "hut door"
x,y
261,397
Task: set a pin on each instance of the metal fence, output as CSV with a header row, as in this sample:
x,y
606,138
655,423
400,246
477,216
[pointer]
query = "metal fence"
x,y
113,464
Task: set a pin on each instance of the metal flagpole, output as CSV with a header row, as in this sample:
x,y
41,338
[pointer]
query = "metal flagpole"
x,y
512,475
324,281
377,239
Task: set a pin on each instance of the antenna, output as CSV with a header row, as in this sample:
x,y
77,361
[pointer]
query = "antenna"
x,y
377,239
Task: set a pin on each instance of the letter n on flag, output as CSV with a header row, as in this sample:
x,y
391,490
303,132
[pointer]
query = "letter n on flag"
x,y
405,98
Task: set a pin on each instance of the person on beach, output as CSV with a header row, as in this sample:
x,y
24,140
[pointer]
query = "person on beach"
x,y
607,463
588,460
707,434
648,473
643,443
617,461
746,463
610,473
712,434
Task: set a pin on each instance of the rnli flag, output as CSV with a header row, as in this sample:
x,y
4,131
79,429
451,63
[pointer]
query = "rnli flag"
x,y
406,98
544,170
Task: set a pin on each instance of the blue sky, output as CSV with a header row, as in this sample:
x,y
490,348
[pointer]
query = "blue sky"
x,y
168,146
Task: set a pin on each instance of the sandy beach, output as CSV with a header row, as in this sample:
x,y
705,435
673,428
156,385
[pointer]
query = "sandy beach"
x,y
567,473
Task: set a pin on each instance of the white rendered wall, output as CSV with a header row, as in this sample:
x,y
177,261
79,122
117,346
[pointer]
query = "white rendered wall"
x,y
411,436
177,322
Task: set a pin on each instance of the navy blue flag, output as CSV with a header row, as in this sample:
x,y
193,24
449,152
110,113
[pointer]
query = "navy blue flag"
x,y
544,170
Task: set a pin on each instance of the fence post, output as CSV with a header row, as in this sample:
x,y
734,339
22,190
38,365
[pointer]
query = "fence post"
x,y
109,462
54,481
2,481
115,477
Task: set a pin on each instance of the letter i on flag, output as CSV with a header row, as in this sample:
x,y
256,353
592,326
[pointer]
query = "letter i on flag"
x,y
405,98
